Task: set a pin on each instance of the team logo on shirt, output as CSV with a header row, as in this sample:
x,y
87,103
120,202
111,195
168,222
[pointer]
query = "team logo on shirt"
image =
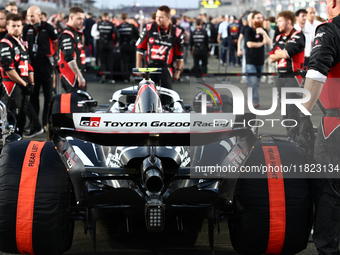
x,y
80,46
158,52
151,40
282,63
17,57
234,29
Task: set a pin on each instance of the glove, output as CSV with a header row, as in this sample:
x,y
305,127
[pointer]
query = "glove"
x,y
306,137
28,90
293,134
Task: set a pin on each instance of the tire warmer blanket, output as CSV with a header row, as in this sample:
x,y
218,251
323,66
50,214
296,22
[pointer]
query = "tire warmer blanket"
x,y
277,202
65,103
26,197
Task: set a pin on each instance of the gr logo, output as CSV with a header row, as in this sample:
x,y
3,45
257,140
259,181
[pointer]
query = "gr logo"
x,y
90,121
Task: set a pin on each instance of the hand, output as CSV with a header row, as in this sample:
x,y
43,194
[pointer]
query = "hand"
x,y
277,52
306,136
138,74
239,53
81,81
176,75
28,89
281,53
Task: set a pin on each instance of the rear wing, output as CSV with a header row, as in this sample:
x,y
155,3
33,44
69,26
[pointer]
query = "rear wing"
x,y
147,129
151,129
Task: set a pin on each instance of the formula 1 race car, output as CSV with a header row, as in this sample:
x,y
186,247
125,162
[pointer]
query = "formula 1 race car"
x,y
145,160
8,125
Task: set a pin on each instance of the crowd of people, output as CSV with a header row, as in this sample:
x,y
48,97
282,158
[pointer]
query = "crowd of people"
x,y
111,42
31,43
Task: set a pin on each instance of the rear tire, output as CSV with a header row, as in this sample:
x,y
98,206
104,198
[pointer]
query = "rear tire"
x,y
51,228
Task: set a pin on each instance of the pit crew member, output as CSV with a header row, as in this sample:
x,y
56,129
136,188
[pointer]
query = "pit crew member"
x,y
162,40
323,82
42,39
72,53
16,71
288,51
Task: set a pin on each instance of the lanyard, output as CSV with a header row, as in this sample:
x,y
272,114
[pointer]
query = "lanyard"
x,y
19,42
36,38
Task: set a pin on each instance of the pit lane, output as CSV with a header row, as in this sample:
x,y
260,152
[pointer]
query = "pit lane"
x,y
111,238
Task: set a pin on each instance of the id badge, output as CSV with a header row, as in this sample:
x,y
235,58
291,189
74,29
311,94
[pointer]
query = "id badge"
x,y
35,48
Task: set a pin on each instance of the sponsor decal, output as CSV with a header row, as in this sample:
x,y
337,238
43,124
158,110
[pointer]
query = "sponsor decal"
x,y
320,34
158,123
70,158
178,32
17,57
221,123
90,121
108,123
151,40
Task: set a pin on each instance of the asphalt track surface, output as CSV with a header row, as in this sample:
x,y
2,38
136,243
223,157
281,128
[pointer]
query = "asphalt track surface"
x,y
111,236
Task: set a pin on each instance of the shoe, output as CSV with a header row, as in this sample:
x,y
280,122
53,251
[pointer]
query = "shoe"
x,y
34,133
243,79
111,81
27,129
263,78
256,105
270,80
102,80
45,129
